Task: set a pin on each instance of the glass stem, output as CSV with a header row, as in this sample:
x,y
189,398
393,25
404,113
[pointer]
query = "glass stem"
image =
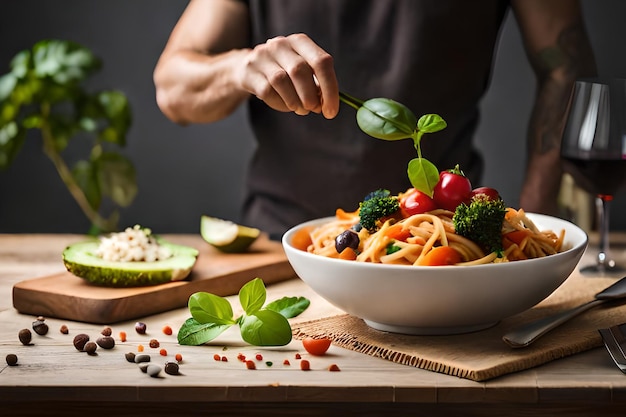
x,y
603,203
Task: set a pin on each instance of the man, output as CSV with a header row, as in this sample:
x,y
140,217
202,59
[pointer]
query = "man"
x,y
289,59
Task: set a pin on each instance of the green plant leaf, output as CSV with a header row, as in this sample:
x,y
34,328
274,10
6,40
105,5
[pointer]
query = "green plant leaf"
x,y
7,84
386,119
265,328
289,307
192,333
209,308
431,123
117,111
423,175
64,61
12,138
86,179
252,295
116,178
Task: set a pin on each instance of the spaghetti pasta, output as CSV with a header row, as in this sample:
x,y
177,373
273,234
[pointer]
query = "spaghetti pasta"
x,y
407,241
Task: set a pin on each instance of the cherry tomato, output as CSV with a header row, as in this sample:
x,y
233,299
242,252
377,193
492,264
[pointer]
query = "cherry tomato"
x,y
452,189
415,202
317,347
491,193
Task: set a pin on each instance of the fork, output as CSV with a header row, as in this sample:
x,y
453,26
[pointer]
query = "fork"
x,y
615,342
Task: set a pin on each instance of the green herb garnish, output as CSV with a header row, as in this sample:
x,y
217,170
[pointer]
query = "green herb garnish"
x,y
260,325
386,119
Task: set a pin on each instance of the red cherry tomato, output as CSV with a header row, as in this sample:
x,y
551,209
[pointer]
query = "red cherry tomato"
x,y
415,202
317,347
452,189
491,193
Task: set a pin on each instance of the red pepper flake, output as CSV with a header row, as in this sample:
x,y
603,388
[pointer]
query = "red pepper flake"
x,y
122,336
224,359
178,357
216,357
167,330
139,348
250,365
259,357
334,368
298,356
305,365
286,362
163,352
241,357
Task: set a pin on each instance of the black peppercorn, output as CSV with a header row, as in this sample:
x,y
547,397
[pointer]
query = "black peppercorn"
x,y
90,348
140,327
40,327
25,336
11,359
171,368
106,342
80,340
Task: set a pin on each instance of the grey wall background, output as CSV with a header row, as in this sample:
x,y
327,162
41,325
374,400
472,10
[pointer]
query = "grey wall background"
x,y
184,172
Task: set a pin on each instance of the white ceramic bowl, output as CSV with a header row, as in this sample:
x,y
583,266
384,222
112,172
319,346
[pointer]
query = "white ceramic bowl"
x,y
437,299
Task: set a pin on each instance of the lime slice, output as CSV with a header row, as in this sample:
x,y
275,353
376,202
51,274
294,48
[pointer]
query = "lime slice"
x,y
227,236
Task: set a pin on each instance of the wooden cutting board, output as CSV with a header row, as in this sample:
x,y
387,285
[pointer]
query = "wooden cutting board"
x,y
66,296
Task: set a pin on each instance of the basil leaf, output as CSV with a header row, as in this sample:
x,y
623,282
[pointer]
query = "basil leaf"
x,y
265,328
386,119
289,307
193,333
423,175
430,123
212,309
252,295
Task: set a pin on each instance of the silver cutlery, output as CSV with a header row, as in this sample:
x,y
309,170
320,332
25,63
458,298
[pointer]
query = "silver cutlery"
x,y
615,343
530,332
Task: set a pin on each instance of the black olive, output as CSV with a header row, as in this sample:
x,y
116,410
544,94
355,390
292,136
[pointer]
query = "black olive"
x,y
347,239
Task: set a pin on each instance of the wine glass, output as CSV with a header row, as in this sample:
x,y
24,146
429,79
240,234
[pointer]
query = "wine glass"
x,y
593,151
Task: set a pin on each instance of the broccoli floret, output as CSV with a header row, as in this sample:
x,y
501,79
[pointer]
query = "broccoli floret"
x,y
380,193
377,205
481,222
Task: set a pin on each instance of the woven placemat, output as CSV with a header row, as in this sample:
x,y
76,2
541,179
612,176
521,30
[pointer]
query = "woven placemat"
x,y
482,355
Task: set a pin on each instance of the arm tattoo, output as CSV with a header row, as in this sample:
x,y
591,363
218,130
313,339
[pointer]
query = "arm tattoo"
x,y
557,68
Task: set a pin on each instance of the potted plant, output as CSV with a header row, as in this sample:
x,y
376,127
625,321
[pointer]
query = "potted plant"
x,y
44,91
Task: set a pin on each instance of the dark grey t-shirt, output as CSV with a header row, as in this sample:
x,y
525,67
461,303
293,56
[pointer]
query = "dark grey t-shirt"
x,y
434,56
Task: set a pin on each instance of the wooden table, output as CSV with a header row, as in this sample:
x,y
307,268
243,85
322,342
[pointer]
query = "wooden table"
x,y
53,378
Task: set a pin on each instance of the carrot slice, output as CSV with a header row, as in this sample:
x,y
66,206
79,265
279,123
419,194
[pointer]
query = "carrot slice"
x,y
441,255
302,239
395,232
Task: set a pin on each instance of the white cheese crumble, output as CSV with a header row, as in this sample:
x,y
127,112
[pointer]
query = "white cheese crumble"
x,y
134,244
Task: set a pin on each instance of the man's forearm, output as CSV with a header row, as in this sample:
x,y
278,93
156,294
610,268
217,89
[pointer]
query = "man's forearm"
x,y
196,88
557,67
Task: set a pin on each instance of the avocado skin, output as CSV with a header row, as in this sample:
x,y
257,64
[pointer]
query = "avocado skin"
x,y
80,261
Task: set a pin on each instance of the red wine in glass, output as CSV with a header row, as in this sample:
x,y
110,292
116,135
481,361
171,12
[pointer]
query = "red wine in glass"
x,y
593,151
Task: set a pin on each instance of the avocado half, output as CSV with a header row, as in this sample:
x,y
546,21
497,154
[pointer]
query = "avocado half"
x,y
80,260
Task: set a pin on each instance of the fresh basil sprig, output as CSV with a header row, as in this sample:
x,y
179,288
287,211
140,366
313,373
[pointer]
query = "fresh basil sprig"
x,y
259,325
386,119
